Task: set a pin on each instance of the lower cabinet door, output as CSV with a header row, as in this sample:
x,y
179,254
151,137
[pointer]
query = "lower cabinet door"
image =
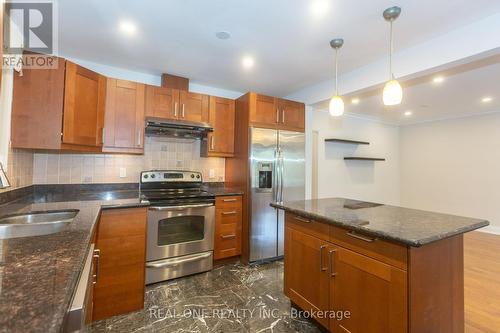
x,y
306,273
374,294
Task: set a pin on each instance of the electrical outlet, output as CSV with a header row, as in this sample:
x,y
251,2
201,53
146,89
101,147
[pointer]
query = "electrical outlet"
x,y
211,173
123,172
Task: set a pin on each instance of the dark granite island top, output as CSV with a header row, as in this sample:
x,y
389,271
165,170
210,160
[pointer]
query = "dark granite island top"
x,y
403,225
38,275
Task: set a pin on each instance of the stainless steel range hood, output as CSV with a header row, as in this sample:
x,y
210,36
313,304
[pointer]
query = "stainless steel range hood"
x,y
177,128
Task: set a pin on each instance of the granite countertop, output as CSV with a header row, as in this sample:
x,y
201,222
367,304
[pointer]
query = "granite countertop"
x,y
38,275
403,225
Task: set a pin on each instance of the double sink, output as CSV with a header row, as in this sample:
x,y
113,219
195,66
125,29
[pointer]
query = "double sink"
x,y
36,223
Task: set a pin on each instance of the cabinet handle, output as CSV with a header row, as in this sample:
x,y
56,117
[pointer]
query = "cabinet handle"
x,y
102,135
321,248
283,116
139,135
277,115
353,234
330,260
212,142
175,110
229,213
229,200
97,254
302,219
227,236
183,110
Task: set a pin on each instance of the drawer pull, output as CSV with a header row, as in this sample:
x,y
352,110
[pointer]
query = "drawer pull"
x,y
302,219
229,213
360,237
227,236
229,200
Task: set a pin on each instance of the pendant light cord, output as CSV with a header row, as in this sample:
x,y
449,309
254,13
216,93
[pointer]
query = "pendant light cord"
x,y
391,49
336,71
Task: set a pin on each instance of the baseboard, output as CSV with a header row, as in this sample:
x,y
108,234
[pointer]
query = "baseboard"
x,y
491,230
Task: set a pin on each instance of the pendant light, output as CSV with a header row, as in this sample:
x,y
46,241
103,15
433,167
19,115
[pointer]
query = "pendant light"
x,y
393,93
336,103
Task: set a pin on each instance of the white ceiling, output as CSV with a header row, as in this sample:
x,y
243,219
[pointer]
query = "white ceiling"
x,y
289,41
460,94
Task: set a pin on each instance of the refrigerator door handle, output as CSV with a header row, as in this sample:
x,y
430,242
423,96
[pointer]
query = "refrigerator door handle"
x,y
275,175
282,173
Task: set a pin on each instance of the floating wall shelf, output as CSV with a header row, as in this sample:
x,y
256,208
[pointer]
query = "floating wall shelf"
x,y
353,158
354,142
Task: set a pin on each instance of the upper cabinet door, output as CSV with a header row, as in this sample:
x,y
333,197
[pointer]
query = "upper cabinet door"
x,y
221,117
193,107
373,292
263,111
84,102
162,102
291,115
124,117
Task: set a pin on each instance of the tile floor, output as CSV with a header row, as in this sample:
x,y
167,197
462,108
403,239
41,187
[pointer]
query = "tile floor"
x,y
230,298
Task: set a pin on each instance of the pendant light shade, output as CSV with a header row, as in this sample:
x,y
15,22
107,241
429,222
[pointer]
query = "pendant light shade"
x,y
336,106
393,93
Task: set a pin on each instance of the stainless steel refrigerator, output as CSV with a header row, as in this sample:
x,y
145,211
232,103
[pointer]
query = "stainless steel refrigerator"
x,y
277,172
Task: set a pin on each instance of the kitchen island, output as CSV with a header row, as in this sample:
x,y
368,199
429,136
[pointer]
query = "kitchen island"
x,y
358,267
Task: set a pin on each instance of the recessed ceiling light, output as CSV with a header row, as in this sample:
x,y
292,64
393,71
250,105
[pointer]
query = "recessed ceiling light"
x,y
438,79
319,8
355,101
486,99
128,27
247,62
408,113
223,35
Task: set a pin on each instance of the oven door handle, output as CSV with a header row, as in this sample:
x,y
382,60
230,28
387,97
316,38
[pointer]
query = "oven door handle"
x,y
175,262
182,207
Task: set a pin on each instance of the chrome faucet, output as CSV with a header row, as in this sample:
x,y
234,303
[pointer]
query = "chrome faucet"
x,y
4,181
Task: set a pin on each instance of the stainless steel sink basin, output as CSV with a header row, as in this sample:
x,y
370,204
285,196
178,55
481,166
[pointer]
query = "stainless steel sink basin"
x,y
35,223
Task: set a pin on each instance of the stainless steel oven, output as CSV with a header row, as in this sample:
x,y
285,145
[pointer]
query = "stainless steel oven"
x,y
181,222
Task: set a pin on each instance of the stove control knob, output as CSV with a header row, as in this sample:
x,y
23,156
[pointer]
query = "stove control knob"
x,y
198,176
153,175
146,176
192,175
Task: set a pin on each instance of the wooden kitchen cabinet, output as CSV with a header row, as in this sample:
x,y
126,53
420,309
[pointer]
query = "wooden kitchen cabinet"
x,y
322,275
58,109
124,117
228,218
276,113
84,103
374,293
193,106
220,142
306,277
120,281
162,102
291,115
168,103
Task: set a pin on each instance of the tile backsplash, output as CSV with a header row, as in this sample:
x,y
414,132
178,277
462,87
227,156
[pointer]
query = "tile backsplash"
x,y
19,169
159,153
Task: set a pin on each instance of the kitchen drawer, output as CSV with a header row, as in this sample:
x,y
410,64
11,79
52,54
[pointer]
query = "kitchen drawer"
x,y
308,226
227,240
384,251
228,215
228,202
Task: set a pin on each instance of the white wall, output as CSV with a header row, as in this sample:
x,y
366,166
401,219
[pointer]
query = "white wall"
x,y
453,166
364,180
